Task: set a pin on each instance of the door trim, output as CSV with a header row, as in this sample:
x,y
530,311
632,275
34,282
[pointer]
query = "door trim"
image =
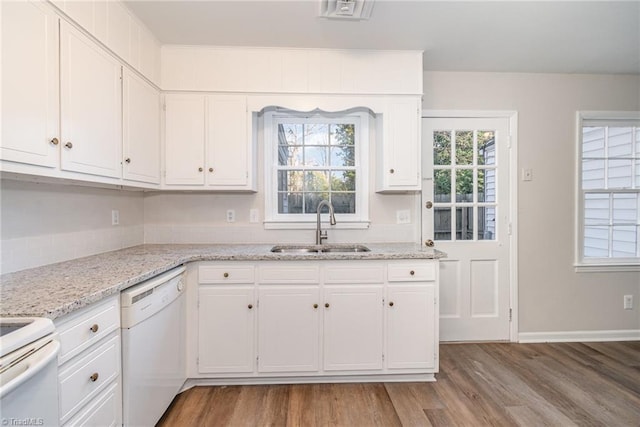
x,y
512,116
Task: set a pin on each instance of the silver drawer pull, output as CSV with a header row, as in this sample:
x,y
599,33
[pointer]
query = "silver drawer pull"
x,y
94,377
94,328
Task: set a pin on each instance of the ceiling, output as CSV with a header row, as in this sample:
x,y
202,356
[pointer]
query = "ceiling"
x,y
495,36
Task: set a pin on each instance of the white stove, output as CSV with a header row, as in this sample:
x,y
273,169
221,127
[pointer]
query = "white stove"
x,y
28,371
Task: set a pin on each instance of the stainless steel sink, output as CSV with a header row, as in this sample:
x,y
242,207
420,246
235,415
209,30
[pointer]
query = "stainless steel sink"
x,y
295,249
303,249
346,248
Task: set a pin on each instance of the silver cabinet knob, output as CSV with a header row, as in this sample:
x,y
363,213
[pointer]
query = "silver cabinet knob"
x,y
429,243
127,160
200,169
54,141
68,145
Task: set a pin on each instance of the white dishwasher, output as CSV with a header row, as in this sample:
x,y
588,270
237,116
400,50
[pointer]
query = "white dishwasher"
x,y
153,347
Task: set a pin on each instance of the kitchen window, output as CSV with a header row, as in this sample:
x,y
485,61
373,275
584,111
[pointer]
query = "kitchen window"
x,y
315,157
608,191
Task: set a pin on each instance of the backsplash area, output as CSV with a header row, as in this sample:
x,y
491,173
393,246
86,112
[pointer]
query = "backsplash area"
x,y
47,223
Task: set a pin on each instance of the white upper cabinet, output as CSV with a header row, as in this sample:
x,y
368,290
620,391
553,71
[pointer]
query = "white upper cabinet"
x,y
30,97
91,106
229,143
208,143
399,149
141,130
184,140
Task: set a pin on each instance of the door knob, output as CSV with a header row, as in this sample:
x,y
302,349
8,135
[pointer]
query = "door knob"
x,y
428,205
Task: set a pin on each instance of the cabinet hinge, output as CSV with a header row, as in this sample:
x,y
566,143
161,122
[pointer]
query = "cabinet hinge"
x,y
510,229
383,302
510,314
164,107
508,141
198,361
383,357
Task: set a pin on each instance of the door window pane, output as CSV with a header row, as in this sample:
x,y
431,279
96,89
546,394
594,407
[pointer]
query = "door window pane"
x,y
464,185
486,185
442,186
442,223
464,147
464,223
486,223
486,153
442,148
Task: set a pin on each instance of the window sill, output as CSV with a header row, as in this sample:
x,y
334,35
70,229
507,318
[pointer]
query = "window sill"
x,y
288,225
606,268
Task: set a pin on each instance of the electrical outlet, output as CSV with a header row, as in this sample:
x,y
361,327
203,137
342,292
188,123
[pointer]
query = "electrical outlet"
x,y
231,215
403,217
115,217
254,215
628,302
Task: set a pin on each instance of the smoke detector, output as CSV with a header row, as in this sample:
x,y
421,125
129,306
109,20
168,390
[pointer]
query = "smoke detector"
x,y
346,9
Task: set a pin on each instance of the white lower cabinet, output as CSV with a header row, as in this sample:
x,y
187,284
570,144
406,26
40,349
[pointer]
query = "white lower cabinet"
x,y
89,366
353,323
288,328
226,319
304,319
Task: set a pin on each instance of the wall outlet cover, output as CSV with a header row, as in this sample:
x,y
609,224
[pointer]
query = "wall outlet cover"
x,y
231,215
115,217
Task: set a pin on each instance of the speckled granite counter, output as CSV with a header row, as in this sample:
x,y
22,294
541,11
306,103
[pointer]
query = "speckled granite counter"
x,y
58,289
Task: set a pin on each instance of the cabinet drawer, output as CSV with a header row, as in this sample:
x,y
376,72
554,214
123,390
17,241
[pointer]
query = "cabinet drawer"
x,y
103,411
411,272
81,381
291,273
357,272
87,328
227,273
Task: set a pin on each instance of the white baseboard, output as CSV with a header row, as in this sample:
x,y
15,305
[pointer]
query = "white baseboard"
x,y
580,336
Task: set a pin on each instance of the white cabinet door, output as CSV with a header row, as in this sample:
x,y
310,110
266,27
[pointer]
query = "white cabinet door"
x,y
184,140
30,96
353,327
226,325
399,165
411,326
141,130
91,106
288,328
228,157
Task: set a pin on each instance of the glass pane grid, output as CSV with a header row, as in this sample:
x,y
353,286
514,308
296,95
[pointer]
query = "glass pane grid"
x,y
465,173
316,161
610,179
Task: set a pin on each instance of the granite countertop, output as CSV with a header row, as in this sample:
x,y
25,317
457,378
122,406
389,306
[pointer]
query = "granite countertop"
x,y
58,289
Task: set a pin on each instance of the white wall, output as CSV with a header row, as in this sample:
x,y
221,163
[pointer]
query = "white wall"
x,y
46,223
552,296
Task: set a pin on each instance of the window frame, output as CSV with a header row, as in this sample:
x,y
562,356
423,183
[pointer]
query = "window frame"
x,y
275,220
600,264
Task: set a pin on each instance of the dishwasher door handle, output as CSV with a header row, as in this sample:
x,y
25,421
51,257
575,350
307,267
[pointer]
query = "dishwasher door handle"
x,y
35,362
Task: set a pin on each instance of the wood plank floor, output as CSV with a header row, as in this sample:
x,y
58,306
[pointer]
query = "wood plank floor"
x,y
584,384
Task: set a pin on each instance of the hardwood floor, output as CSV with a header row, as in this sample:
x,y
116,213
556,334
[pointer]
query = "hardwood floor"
x,y
585,384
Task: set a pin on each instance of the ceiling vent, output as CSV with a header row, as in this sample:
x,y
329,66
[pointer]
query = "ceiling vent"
x,y
346,9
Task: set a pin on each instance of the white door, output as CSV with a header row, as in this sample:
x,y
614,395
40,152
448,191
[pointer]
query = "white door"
x,y
465,211
91,106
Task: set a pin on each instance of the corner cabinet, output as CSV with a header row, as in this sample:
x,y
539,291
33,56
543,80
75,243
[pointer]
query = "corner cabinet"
x,y
208,143
342,320
141,130
399,149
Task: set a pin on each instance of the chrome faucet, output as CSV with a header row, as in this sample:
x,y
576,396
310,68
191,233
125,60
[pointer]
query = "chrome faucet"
x,y
322,235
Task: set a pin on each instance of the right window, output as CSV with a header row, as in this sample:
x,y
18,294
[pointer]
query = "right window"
x,y
609,189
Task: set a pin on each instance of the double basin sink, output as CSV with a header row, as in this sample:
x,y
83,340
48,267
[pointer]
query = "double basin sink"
x,y
304,249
